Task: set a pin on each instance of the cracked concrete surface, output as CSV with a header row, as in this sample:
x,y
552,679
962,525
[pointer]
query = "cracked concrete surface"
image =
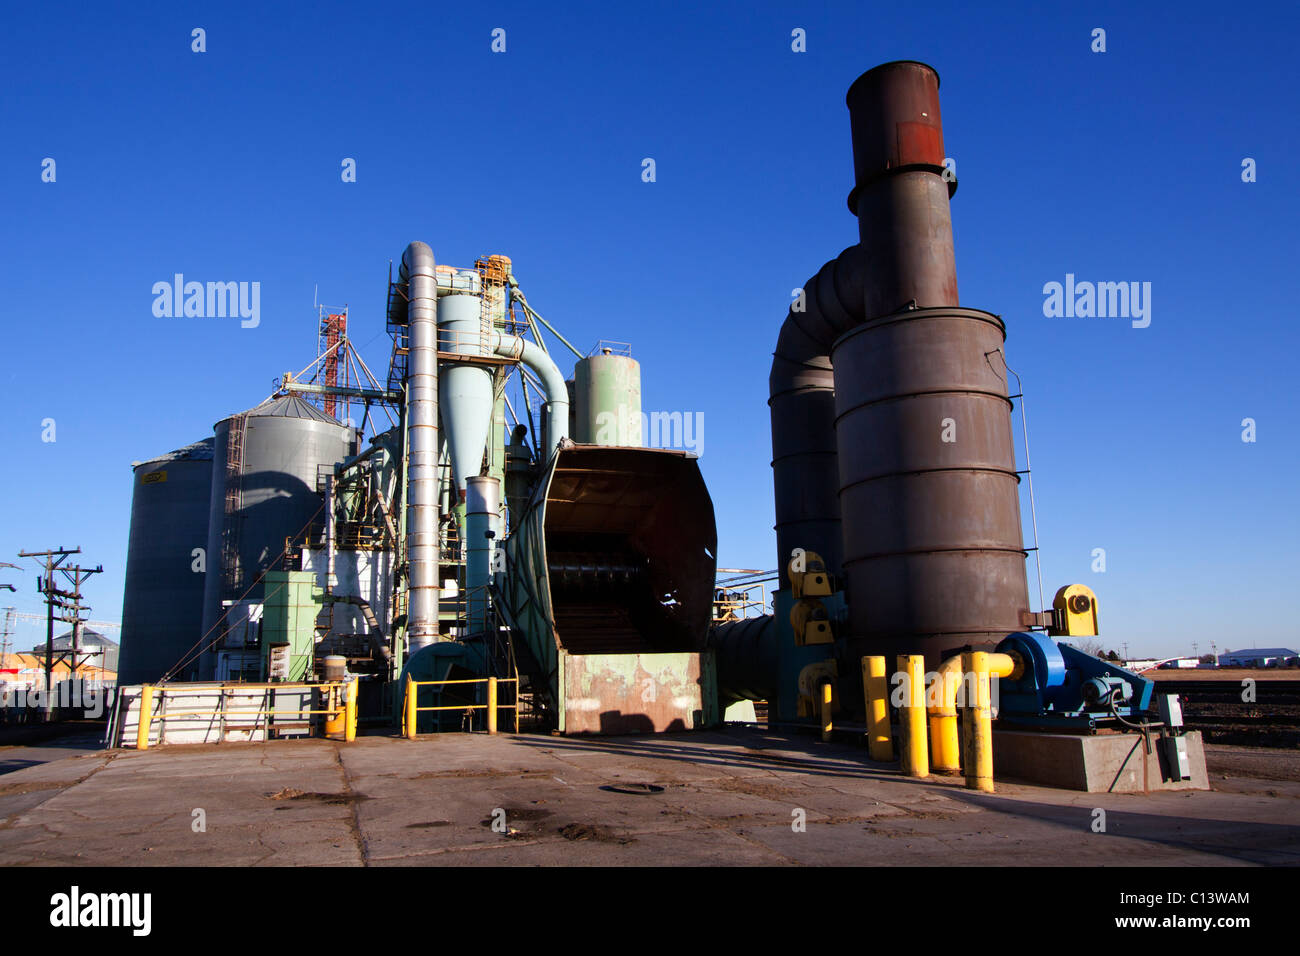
x,y
728,798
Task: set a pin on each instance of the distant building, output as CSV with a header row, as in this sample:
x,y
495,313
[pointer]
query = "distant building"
x,y
96,656
1257,657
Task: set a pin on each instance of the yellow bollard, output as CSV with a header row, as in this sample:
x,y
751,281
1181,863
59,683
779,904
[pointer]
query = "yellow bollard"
x,y
350,712
914,759
828,701
977,724
146,717
411,712
492,705
880,743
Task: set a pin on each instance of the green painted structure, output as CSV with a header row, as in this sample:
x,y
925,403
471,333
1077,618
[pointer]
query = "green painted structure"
x,y
289,613
607,400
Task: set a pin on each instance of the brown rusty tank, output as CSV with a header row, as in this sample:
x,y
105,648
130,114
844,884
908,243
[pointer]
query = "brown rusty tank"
x,y
930,551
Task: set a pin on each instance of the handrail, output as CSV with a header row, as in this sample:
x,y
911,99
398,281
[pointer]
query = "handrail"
x,y
411,709
343,713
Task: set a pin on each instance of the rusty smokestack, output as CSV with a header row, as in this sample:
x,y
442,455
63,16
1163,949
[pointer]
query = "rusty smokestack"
x,y
888,391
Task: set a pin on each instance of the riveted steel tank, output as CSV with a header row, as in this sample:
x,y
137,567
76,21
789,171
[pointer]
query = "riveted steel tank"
x,y
162,602
607,400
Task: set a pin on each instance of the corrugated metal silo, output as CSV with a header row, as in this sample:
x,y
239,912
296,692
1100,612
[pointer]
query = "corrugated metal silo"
x,y
162,604
266,462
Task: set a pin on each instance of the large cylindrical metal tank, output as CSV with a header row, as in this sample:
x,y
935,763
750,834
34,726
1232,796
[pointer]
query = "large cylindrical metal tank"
x,y
929,502
266,465
933,553
607,400
162,603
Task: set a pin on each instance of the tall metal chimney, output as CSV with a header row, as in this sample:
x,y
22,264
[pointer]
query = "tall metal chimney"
x,y
417,271
884,386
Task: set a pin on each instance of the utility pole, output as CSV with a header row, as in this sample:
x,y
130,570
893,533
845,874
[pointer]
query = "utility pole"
x,y
78,575
9,629
50,562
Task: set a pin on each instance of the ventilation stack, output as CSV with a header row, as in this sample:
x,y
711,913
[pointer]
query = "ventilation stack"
x,y
892,449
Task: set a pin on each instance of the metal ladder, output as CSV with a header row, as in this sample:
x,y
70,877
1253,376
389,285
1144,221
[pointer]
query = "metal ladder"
x,y
234,500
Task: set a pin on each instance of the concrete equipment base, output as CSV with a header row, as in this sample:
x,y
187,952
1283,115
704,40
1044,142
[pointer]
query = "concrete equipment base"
x,y
1106,763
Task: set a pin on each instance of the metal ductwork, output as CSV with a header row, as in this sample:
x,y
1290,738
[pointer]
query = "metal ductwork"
x,y
534,357
891,433
417,272
805,469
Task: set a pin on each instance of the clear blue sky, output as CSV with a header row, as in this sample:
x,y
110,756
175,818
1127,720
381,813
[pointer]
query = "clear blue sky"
x,y
225,165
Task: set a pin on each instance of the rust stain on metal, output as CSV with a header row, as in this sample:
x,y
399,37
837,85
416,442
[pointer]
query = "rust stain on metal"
x,y
632,693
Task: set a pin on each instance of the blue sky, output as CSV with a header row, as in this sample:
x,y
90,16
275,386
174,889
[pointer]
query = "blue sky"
x,y
1115,166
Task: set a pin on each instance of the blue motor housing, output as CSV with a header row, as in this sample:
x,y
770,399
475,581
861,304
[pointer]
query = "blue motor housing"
x,y
1061,684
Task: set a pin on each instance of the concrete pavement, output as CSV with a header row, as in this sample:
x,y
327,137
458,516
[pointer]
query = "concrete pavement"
x,y
726,798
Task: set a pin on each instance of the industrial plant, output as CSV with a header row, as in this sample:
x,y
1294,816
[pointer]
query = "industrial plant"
x,y
479,538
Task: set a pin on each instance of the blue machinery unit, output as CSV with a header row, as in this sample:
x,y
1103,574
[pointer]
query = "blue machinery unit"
x,y
1063,688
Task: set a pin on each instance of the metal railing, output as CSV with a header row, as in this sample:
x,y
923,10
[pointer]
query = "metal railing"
x,y
411,709
340,714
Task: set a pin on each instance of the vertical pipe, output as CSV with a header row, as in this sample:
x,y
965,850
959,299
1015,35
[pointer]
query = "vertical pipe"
x,y
945,752
977,723
875,686
492,705
329,534
146,717
828,700
482,514
913,757
350,712
411,712
422,427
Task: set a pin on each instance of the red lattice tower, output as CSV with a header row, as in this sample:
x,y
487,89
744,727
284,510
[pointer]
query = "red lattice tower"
x,y
333,357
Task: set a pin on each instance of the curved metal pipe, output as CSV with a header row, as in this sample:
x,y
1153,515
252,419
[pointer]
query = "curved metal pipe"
x,y
805,465
557,393
422,518
945,744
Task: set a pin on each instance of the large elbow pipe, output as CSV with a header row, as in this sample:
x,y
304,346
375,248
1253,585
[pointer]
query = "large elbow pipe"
x,y
945,744
557,393
422,519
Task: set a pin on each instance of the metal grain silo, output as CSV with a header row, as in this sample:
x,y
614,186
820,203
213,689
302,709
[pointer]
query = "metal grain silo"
x,y
266,467
607,400
162,603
